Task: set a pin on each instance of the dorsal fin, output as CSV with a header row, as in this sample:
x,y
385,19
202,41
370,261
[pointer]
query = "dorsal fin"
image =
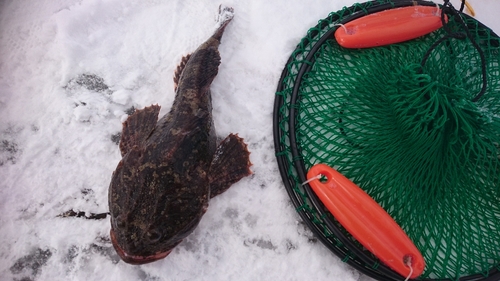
x,y
179,70
138,127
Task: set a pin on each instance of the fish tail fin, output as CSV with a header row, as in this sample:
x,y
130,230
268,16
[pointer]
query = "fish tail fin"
x,y
225,16
230,164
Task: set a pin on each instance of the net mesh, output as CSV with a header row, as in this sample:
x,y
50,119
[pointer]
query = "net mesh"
x,y
407,134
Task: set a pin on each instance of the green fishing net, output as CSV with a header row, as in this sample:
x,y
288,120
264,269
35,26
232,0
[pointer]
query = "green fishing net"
x,y
415,124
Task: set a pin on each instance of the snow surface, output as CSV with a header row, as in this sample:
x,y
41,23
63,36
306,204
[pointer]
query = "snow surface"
x,y
69,71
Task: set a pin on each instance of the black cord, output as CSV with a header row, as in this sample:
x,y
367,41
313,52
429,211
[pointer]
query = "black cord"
x,y
448,8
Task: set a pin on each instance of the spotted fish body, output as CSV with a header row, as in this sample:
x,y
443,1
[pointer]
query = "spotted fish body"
x,y
171,167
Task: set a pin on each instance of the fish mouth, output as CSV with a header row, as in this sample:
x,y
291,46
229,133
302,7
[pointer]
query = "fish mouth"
x,y
131,259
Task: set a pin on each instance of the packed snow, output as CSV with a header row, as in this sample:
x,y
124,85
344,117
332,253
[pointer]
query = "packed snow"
x,y
70,70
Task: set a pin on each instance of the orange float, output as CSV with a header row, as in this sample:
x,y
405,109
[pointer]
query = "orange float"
x,y
366,221
389,27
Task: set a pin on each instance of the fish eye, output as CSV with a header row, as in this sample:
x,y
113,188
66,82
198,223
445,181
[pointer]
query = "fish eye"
x,y
154,235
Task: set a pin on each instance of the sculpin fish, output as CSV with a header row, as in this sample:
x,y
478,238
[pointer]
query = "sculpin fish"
x,y
171,167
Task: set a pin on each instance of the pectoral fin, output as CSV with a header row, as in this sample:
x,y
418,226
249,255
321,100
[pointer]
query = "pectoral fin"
x,y
138,127
230,164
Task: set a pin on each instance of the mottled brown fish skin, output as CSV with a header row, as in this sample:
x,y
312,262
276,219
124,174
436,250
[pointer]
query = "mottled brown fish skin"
x,y
161,187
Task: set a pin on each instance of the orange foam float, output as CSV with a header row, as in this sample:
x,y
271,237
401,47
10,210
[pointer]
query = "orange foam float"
x,y
366,221
389,27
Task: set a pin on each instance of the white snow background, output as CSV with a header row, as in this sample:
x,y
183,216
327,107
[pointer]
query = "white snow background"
x,y
58,134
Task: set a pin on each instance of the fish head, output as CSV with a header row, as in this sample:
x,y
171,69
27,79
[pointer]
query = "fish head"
x,y
136,244
137,230
140,247
150,215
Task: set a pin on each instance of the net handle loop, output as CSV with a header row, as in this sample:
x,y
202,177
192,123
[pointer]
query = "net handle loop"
x,y
449,9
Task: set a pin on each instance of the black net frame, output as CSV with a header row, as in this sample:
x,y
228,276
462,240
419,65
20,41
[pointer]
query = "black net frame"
x,y
291,166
